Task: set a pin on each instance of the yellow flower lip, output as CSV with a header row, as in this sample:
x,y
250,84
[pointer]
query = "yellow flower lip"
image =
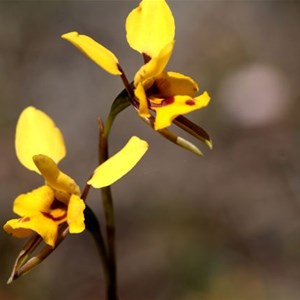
x,y
176,106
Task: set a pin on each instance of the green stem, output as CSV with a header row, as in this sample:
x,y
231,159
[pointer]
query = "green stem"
x,y
109,213
120,103
93,227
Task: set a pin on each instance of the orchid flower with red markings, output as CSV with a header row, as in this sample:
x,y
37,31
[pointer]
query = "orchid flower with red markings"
x,y
155,93
39,147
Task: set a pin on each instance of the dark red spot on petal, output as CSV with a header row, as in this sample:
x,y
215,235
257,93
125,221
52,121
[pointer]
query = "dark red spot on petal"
x,y
168,101
190,102
164,102
49,216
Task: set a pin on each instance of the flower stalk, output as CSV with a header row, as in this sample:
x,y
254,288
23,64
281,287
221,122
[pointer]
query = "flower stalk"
x,y
107,201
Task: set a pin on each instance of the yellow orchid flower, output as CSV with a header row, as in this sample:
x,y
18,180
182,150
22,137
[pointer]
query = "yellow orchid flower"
x,y
45,208
39,147
168,94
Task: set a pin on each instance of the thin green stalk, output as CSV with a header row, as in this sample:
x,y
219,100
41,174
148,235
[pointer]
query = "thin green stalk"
x,y
122,101
94,228
109,215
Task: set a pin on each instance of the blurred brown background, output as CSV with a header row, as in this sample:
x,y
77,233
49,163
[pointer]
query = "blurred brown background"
x,y
222,227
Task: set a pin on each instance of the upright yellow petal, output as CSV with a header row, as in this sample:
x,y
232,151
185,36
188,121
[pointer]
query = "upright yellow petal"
x,y
140,94
150,27
96,52
75,215
147,73
119,164
179,106
54,177
38,200
36,133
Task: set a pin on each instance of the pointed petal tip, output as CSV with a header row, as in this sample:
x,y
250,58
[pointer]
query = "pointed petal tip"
x,y
10,280
69,34
209,144
188,145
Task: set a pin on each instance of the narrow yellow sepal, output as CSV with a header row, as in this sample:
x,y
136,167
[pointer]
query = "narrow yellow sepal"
x,y
95,51
119,164
150,27
36,133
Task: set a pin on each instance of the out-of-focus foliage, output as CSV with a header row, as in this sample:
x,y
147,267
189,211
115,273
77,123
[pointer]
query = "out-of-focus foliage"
x,y
222,227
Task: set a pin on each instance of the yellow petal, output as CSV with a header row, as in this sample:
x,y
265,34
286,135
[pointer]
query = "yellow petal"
x,y
36,133
12,227
140,94
147,73
172,84
54,177
38,200
75,214
180,105
38,223
119,164
150,27
96,52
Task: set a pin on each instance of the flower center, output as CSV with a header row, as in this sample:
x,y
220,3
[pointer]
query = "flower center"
x,y
57,211
161,102
55,218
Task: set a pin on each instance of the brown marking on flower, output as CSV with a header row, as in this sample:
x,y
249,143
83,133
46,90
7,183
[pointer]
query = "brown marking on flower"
x,y
57,219
153,90
24,219
190,102
146,57
57,204
169,100
163,102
